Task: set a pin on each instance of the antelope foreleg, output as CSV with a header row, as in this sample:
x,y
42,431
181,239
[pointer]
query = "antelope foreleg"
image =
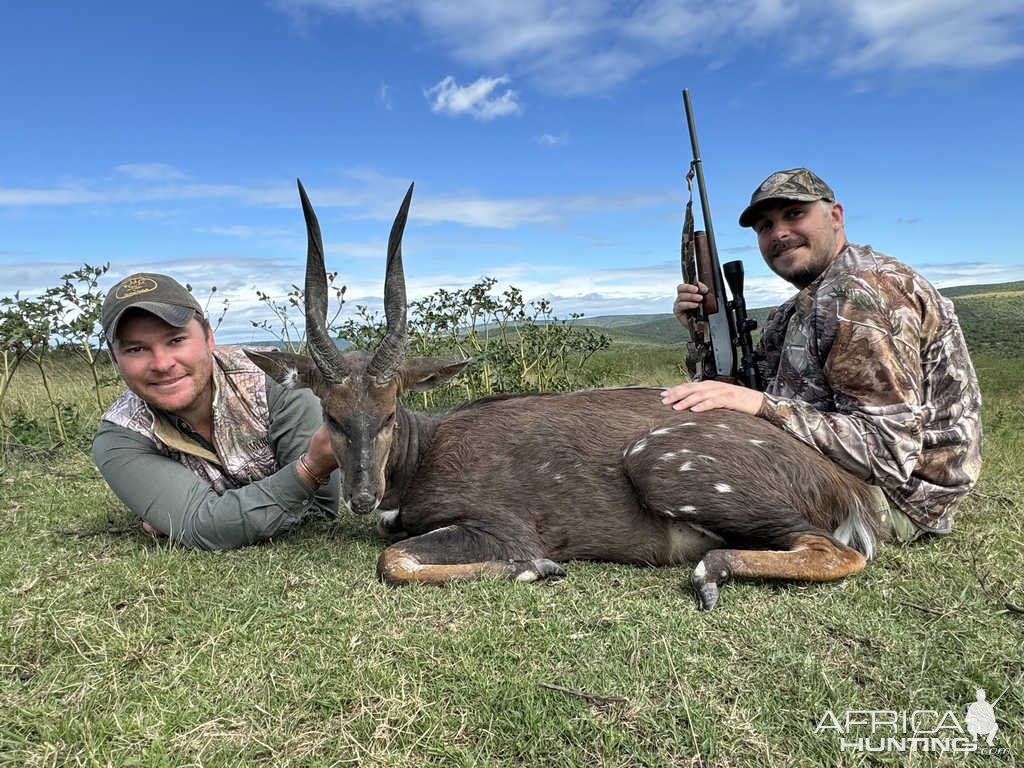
x,y
453,554
812,557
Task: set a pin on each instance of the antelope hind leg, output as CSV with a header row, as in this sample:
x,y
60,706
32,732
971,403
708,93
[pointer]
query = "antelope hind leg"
x,y
455,553
811,557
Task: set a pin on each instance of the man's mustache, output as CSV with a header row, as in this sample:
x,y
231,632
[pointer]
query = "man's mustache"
x,y
782,245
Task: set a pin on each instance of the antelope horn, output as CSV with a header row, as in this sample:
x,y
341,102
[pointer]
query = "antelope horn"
x,y
391,352
321,348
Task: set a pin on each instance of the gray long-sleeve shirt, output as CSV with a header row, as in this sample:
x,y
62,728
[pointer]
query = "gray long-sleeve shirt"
x,y
173,499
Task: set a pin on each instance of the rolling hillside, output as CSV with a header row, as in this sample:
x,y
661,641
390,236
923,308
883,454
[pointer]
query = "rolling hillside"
x,y
992,317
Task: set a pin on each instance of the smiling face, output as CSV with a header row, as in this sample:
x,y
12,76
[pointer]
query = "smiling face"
x,y
170,368
799,240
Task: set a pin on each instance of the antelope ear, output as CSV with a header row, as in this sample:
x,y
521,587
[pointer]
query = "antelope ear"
x,y
294,371
422,373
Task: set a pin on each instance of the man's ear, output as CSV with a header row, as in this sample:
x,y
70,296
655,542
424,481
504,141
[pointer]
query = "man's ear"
x,y
294,371
422,373
837,215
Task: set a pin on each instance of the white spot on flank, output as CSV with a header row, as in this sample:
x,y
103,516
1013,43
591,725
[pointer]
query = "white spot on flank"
x,y
757,442
687,424
688,509
668,513
722,426
667,456
709,458
661,431
723,487
687,467
639,446
545,465
559,478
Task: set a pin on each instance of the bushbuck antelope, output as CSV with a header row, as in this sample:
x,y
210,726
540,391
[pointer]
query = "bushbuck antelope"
x,y
508,486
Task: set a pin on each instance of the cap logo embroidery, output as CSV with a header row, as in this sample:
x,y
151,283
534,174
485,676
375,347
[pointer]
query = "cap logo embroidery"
x,y
133,286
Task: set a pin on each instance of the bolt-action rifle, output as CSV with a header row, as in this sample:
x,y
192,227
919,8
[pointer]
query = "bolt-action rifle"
x,y
720,325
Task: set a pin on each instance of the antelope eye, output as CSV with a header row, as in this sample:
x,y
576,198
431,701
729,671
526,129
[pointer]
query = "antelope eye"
x,y
333,423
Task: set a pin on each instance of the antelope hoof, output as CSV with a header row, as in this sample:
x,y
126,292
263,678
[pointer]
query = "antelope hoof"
x,y
706,580
534,570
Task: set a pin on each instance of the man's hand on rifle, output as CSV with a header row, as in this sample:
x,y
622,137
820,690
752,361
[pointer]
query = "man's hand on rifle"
x,y
688,298
708,395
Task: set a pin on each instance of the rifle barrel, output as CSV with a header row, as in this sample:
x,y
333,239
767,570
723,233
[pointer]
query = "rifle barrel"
x,y
705,207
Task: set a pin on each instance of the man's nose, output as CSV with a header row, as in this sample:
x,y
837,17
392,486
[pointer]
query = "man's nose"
x,y
779,230
162,360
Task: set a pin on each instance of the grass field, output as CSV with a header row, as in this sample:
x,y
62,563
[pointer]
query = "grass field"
x,y
116,649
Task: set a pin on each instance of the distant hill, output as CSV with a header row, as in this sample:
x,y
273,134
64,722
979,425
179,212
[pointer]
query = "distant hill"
x,y
652,329
992,317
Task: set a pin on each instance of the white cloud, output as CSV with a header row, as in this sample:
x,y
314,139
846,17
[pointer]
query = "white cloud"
x,y
945,34
478,99
68,195
363,194
384,96
151,171
589,46
553,140
245,231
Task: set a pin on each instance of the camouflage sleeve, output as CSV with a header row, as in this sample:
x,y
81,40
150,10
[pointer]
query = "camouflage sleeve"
x,y
869,335
172,498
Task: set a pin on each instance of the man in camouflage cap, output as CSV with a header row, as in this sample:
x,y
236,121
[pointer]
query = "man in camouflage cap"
x,y
203,446
866,363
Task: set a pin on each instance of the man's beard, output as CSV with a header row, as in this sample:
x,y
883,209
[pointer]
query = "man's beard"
x,y
806,274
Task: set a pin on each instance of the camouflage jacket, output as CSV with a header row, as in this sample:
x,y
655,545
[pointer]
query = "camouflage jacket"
x,y
868,365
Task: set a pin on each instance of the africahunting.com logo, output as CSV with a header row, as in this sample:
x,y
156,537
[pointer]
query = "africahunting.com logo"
x,y
919,730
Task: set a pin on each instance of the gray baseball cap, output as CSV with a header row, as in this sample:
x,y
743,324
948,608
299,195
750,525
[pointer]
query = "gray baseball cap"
x,y
161,295
796,184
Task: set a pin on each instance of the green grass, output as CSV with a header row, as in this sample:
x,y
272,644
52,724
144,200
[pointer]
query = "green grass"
x,y
116,649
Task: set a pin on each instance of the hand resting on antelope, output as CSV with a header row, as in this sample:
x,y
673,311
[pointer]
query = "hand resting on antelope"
x,y
512,485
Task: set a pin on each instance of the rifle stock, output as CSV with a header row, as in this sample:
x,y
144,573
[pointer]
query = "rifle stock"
x,y
705,266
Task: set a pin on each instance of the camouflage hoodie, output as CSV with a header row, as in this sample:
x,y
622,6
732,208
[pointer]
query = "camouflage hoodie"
x,y
868,365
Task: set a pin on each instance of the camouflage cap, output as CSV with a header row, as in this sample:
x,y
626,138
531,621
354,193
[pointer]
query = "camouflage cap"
x,y
797,184
161,295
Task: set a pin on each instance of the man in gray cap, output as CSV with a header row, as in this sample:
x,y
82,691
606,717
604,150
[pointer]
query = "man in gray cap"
x,y
866,363
203,446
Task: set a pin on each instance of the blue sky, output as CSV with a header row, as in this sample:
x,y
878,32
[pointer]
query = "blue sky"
x,y
546,139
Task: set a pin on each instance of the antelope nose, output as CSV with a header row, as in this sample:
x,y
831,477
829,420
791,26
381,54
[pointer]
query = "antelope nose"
x,y
362,503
